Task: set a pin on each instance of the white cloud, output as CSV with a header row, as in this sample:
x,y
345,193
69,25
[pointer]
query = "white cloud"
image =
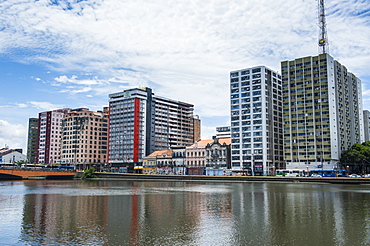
x,y
74,80
13,135
182,49
22,105
208,132
44,106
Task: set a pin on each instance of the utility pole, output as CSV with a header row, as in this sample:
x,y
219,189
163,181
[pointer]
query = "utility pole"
x,y
323,36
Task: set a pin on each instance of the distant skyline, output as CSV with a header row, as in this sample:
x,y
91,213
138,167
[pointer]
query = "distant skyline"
x,y
68,53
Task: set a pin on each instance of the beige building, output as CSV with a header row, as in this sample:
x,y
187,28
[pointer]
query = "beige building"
x,y
196,156
159,161
84,140
197,128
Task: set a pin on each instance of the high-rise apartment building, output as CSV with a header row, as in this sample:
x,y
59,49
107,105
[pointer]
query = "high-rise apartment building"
x,y
84,138
322,108
32,141
366,125
256,121
141,123
197,127
223,132
50,124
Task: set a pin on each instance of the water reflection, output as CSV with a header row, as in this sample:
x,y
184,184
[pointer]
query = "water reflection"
x,y
185,213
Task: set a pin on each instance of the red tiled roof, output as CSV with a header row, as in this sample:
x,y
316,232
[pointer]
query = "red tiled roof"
x,y
203,143
168,152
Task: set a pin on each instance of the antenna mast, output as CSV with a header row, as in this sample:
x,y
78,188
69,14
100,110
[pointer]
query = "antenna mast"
x,y
323,37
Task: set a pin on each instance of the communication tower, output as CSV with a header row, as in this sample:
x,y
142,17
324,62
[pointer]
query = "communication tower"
x,y
323,36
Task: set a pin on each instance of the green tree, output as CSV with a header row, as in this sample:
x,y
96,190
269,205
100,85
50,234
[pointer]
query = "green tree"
x,y
19,163
88,174
357,158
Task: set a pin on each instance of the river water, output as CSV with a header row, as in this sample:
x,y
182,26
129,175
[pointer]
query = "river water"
x,y
182,213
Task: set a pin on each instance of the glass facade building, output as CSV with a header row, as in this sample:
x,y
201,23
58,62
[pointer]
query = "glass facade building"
x,y
141,123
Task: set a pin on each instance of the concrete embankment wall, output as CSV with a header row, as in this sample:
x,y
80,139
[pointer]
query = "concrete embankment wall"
x,y
334,180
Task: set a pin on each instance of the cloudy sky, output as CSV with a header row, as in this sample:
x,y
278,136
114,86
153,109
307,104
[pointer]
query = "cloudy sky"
x,y
73,53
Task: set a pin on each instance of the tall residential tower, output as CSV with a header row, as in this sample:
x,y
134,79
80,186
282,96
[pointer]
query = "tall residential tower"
x,y
141,123
50,125
32,143
256,121
322,108
84,138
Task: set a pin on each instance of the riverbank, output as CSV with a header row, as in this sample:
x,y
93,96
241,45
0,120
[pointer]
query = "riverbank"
x,y
332,180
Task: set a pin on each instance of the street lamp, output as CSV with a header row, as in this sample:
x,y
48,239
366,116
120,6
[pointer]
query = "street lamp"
x,y
347,170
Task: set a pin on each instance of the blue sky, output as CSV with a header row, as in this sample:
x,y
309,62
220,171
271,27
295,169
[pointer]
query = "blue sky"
x,y
70,53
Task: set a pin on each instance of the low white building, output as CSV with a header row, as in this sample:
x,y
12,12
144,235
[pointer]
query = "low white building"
x,y
11,156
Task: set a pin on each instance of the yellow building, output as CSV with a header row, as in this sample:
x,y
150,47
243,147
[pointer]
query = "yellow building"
x,y
322,110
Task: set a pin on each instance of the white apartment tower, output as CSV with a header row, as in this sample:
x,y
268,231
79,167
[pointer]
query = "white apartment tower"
x,y
322,108
256,121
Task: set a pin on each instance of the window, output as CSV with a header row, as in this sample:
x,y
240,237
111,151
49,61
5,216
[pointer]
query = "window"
x,y
256,70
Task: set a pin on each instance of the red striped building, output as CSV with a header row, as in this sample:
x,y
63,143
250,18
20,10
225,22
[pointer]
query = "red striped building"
x,y
141,123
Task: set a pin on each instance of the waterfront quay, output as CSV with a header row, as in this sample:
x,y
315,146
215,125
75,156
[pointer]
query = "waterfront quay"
x,y
128,176
11,173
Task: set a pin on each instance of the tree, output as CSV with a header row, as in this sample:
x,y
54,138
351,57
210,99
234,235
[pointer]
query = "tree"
x,y
19,163
88,174
357,158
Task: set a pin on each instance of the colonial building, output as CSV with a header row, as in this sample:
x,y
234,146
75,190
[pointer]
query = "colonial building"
x,y
158,162
164,162
171,161
218,157
84,140
178,160
150,162
196,156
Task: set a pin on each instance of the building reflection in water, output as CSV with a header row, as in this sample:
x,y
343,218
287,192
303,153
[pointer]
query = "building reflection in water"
x,y
191,213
